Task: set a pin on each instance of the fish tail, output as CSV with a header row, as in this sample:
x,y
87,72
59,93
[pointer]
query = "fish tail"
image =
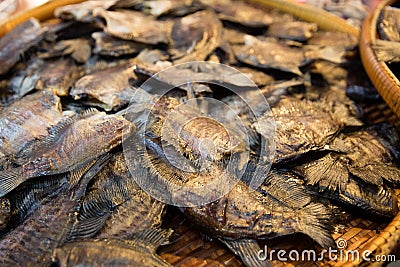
x,y
10,179
314,222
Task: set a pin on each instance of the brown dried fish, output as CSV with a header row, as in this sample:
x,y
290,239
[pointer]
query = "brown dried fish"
x,y
170,7
26,198
133,25
139,250
26,120
103,88
389,24
111,46
82,11
195,36
278,208
301,127
271,54
115,205
293,30
58,76
39,234
79,49
241,13
72,144
18,41
362,154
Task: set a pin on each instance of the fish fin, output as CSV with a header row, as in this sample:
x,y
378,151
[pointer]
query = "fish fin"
x,y
282,186
248,250
10,179
89,174
88,227
372,173
153,238
76,174
327,172
315,222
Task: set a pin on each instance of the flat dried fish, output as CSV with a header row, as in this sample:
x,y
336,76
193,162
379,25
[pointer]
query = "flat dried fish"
x,y
362,154
27,198
241,13
17,42
301,127
133,25
26,241
170,7
139,250
58,76
51,223
240,217
103,88
72,144
195,36
110,46
389,24
270,54
293,30
26,120
79,49
115,206
82,11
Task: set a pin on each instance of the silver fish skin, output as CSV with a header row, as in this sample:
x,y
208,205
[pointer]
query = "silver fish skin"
x,y
73,143
12,46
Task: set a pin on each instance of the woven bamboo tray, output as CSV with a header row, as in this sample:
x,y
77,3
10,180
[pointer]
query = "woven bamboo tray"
x,y
189,247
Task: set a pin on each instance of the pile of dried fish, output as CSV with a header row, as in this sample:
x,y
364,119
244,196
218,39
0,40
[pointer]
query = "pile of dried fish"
x,y
85,135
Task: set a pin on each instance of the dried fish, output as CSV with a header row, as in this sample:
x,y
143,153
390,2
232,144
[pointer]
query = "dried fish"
x,y
26,241
133,25
294,30
51,223
140,250
115,206
170,7
111,46
103,88
72,144
58,76
387,51
82,11
18,41
27,198
25,80
241,13
301,127
270,54
389,24
362,154
240,217
79,49
26,120
195,36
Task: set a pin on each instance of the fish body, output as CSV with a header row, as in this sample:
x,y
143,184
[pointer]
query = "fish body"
x,y
72,143
133,25
102,88
26,120
196,36
18,41
139,251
